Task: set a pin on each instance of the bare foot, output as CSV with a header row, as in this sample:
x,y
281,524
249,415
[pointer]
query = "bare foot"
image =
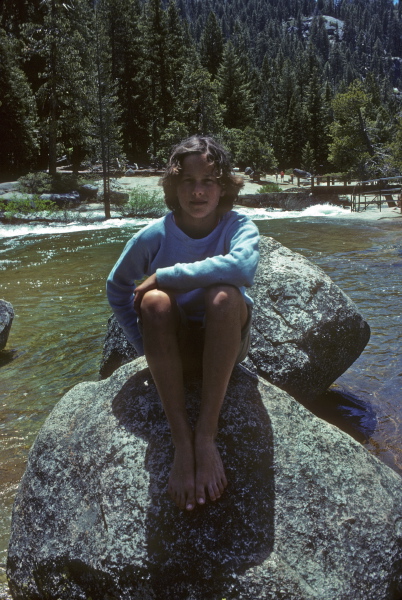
x,y
210,475
181,486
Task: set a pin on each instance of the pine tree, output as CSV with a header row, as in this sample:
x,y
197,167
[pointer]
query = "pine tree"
x,y
127,65
317,120
154,31
351,147
211,45
234,90
198,102
108,110
60,44
180,52
18,140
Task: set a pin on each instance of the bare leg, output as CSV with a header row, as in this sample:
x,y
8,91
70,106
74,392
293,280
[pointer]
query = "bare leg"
x,y
160,318
226,314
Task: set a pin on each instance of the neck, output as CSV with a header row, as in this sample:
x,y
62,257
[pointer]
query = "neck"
x,y
196,228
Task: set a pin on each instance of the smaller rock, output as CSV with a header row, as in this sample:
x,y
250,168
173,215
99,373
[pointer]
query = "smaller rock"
x,y
117,198
88,192
6,320
63,200
9,186
117,350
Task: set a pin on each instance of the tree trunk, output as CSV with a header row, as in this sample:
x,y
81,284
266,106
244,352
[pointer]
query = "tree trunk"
x,y
364,133
53,98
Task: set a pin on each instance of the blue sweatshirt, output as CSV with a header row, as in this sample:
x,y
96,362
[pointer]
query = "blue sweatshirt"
x,y
228,255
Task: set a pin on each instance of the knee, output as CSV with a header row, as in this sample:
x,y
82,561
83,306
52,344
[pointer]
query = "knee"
x,y
222,298
156,305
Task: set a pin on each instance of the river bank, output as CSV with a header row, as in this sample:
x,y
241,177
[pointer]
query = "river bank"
x,y
92,211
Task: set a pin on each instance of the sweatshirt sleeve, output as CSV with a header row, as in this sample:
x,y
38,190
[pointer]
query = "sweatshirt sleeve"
x,y
132,265
235,267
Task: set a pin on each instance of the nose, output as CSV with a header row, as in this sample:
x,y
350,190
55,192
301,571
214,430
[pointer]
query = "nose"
x,y
198,189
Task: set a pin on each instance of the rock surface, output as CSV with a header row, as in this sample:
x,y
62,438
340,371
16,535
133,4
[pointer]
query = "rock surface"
x,y
306,332
6,320
308,514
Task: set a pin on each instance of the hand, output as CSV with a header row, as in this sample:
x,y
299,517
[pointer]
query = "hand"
x,y
150,283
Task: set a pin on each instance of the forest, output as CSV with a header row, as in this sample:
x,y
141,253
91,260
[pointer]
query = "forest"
x,y
311,84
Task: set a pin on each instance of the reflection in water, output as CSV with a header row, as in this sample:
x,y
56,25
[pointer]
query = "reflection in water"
x,y
55,282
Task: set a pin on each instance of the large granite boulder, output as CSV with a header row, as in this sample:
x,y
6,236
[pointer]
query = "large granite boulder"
x,y
6,320
308,514
306,332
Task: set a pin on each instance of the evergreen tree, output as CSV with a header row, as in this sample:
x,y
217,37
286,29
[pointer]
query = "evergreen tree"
x,y
180,52
317,120
234,91
108,110
165,61
396,147
127,56
308,161
352,145
211,45
154,31
18,140
198,102
63,89
254,151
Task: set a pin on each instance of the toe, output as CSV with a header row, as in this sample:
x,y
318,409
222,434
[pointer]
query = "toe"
x,y
190,502
200,494
213,492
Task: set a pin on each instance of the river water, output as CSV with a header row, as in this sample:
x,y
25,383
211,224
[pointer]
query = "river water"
x,y
54,276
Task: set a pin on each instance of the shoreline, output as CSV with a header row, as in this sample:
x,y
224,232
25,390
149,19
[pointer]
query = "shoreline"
x,y
92,213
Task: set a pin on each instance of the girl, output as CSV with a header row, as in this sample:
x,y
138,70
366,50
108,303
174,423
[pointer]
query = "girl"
x,y
197,260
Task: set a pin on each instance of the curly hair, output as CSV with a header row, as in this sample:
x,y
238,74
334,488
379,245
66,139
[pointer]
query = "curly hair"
x,y
216,155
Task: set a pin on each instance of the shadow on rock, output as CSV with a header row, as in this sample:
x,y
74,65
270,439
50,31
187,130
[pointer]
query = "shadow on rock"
x,y
205,549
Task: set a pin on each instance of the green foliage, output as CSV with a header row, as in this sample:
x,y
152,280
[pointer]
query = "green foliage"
x,y
211,45
35,183
116,77
18,116
234,90
144,203
308,161
63,183
39,182
361,133
173,134
251,150
61,68
26,206
269,188
198,104
396,147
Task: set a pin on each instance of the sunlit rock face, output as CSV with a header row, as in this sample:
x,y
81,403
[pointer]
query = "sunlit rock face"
x,y
308,513
306,332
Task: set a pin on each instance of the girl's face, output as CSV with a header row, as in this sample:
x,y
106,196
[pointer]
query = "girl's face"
x,y
199,191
